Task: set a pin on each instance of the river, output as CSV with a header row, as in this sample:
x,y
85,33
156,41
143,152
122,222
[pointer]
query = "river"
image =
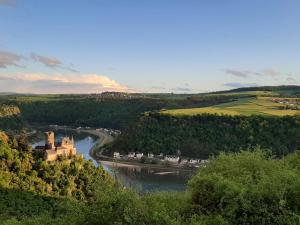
x,y
141,178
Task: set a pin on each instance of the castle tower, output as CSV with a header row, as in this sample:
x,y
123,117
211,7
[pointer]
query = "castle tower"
x,y
49,138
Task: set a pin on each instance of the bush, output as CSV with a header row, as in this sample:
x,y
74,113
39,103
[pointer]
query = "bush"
x,y
247,188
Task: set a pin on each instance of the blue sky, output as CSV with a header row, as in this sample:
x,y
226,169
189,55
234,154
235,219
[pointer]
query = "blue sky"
x,y
150,46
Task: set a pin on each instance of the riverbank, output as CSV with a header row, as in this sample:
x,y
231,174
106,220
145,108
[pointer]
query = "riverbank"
x,y
104,138
135,164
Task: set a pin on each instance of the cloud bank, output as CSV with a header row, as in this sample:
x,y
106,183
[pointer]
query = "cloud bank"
x,y
44,83
247,73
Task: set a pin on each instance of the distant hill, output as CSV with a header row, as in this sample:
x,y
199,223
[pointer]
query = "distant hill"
x,y
119,110
267,100
287,90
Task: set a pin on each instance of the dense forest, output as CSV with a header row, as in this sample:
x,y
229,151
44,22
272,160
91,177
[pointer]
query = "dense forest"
x,y
282,90
10,118
204,135
12,124
97,111
236,188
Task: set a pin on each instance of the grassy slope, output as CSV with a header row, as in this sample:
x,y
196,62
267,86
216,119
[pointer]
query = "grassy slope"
x,y
245,106
250,101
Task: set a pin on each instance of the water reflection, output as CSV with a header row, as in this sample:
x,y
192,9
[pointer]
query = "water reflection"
x,y
145,179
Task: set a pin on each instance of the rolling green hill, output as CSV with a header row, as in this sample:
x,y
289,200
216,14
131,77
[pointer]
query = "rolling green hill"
x,y
282,90
269,101
247,106
120,110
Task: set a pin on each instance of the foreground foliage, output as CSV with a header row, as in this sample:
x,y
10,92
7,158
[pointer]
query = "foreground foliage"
x,y
247,188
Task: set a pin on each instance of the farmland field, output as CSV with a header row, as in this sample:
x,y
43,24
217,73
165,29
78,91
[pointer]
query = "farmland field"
x,y
247,93
246,106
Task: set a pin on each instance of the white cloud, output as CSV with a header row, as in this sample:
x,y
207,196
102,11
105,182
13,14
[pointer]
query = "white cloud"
x,y
58,83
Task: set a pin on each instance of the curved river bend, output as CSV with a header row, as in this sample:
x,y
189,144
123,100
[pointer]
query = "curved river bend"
x,y
141,178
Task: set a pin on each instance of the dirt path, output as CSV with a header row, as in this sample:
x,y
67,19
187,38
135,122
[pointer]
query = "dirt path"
x,y
104,138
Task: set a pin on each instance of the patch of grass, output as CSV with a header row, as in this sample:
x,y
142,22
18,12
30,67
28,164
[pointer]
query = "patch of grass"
x,y
248,93
246,106
196,111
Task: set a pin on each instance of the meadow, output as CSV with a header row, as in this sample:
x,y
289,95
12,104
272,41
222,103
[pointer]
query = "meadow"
x,y
244,106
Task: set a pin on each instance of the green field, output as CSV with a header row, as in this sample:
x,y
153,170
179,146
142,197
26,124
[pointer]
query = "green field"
x,y
248,93
246,106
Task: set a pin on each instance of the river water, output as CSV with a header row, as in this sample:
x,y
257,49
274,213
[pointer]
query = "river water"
x,y
141,178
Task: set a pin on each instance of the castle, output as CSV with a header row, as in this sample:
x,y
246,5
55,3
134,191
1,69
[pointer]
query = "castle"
x,y
52,150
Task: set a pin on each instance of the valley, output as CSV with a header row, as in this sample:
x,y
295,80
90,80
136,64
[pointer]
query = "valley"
x,y
253,131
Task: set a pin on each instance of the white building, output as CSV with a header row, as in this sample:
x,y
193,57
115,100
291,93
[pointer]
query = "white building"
x,y
150,155
184,161
117,155
139,155
131,155
194,161
172,158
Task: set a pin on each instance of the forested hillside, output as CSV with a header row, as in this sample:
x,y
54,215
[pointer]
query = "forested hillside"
x,y
10,118
282,90
23,169
117,110
99,110
204,135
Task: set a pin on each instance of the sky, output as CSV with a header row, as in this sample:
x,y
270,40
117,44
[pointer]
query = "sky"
x,y
179,46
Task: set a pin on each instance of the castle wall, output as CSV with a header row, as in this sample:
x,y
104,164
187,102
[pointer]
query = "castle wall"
x,y
50,140
51,155
53,151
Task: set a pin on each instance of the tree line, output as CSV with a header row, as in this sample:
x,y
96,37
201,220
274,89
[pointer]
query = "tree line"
x,y
94,111
204,135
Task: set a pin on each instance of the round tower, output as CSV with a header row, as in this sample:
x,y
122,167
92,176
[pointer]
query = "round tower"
x,y
49,139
